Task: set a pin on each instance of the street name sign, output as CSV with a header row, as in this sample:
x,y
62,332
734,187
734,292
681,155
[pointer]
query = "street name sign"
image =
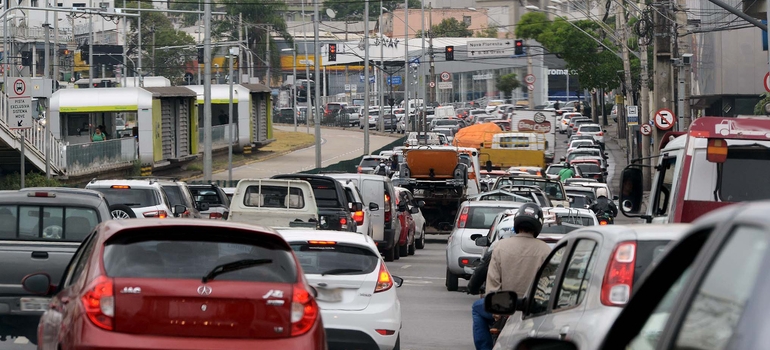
x,y
490,48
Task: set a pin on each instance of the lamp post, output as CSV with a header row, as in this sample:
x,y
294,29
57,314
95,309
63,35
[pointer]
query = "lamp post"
x,y
294,84
234,52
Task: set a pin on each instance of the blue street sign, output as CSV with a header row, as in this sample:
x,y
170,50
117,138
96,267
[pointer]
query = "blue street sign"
x,y
396,80
371,79
415,60
360,78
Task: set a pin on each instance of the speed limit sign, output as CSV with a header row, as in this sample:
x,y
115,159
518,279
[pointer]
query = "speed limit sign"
x,y
445,76
529,79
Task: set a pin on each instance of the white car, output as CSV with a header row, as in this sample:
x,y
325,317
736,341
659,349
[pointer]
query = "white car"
x,y
362,215
594,130
576,143
565,121
355,291
136,199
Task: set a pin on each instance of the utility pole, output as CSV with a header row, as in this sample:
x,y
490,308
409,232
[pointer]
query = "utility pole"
x,y
207,146
407,124
91,49
56,49
366,73
381,82
267,55
229,115
139,59
620,22
317,69
154,65
46,70
683,48
308,99
125,45
421,115
241,70
662,80
432,53
530,94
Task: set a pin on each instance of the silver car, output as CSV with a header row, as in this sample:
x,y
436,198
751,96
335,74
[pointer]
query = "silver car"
x,y
462,254
586,280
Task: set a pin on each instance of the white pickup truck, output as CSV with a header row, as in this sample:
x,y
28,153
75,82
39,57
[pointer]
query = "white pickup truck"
x,y
275,203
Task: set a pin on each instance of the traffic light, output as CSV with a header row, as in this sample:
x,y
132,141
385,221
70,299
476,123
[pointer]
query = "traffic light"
x,y
200,55
449,53
518,47
332,52
26,58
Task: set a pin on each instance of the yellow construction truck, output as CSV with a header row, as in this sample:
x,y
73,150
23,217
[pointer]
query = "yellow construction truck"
x,y
511,149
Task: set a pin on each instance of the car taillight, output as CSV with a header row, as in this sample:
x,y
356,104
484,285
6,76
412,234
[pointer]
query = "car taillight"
x,y
603,222
578,133
215,215
600,133
160,214
304,311
99,303
463,218
384,281
619,278
388,215
42,194
360,170
359,217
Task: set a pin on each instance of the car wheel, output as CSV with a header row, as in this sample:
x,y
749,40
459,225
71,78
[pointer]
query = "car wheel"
x,y
403,250
396,251
389,255
412,247
121,212
420,244
398,343
451,281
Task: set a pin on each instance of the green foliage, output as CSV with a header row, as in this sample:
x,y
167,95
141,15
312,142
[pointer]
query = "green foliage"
x,y
188,19
532,25
449,28
488,32
507,83
759,108
353,10
12,181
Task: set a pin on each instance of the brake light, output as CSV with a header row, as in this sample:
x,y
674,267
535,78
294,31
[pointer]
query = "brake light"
x,y
716,151
388,214
321,242
578,133
384,281
463,218
600,133
603,222
359,217
160,214
99,303
120,187
41,194
304,311
360,169
618,280
215,215
343,222
385,331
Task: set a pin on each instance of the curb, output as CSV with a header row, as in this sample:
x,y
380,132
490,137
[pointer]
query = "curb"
x,y
356,129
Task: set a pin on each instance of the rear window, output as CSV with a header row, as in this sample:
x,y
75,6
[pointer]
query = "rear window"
x,y
648,253
194,253
590,128
209,196
335,259
274,197
589,168
325,194
174,194
333,106
132,197
482,217
46,223
580,202
554,169
369,162
589,194
576,219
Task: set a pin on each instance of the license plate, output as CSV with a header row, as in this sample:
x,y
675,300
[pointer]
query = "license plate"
x,y
330,295
35,304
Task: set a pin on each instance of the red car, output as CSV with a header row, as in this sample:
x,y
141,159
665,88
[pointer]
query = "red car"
x,y
181,284
406,243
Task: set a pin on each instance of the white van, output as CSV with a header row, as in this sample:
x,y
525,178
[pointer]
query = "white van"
x,y
274,203
445,112
378,196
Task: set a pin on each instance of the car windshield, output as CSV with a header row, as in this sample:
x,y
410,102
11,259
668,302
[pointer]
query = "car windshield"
x,y
482,217
583,153
335,258
46,223
132,197
588,193
590,128
192,254
446,122
554,169
446,132
577,143
579,201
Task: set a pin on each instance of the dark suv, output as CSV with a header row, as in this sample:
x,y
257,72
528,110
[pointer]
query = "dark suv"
x,y
213,196
334,210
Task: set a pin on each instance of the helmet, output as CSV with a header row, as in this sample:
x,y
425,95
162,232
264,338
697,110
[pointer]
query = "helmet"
x,y
601,192
529,218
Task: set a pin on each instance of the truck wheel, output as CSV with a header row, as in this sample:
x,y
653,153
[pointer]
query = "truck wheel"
x,y
451,281
389,255
420,244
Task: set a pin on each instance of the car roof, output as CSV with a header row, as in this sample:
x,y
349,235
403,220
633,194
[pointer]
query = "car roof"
x,y
640,232
492,204
131,183
326,235
63,190
578,188
69,197
114,227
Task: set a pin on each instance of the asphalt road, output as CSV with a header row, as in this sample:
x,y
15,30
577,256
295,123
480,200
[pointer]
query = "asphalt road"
x,y
336,145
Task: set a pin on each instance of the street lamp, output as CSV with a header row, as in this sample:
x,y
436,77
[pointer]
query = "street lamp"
x,y
294,84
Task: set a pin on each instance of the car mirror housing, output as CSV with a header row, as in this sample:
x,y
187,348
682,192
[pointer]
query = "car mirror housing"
x,y
373,206
501,303
38,284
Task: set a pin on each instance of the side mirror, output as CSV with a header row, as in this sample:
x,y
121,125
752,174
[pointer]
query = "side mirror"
x,y
420,204
398,280
414,210
402,207
563,159
545,344
204,206
615,198
476,236
38,284
501,303
605,131
179,209
373,206
488,166
631,190
482,241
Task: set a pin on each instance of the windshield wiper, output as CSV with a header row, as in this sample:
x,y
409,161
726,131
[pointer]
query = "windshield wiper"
x,y
339,271
234,266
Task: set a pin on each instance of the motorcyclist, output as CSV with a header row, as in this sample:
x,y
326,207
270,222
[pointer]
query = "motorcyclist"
x,y
603,205
512,266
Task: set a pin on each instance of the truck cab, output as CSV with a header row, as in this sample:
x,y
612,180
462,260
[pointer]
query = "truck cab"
x,y
718,162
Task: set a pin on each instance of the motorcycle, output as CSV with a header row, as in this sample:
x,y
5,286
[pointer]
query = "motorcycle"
x,y
605,218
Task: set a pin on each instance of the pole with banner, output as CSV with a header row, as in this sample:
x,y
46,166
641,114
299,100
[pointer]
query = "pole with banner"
x,y
20,116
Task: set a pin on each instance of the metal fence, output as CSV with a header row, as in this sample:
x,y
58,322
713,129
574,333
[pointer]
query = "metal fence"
x,y
39,140
219,135
102,155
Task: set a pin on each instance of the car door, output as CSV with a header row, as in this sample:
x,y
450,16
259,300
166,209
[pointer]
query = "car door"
x,y
568,305
526,323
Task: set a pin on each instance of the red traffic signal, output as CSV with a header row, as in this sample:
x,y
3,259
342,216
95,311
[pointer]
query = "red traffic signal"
x,y
518,47
449,53
332,52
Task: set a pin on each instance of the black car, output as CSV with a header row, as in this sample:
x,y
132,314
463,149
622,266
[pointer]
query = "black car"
x,y
334,209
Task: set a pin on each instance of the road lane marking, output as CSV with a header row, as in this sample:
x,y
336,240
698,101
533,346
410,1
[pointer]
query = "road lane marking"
x,y
405,266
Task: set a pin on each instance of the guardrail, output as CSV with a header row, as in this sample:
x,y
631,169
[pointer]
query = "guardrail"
x,y
219,135
101,155
37,138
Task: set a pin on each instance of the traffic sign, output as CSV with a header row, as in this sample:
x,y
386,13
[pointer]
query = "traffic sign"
x,y
445,85
20,105
347,87
529,79
445,76
531,87
432,84
767,82
646,129
353,88
394,80
490,48
664,119
632,115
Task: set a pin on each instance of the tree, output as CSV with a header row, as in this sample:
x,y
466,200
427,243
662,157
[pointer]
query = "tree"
x,y
354,9
188,19
449,27
488,32
507,83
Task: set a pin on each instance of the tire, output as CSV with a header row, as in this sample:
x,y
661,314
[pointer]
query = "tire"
x,y
389,255
122,212
412,247
398,343
403,250
396,251
420,244
451,281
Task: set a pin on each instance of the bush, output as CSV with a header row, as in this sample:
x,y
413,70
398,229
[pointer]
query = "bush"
x,y
12,181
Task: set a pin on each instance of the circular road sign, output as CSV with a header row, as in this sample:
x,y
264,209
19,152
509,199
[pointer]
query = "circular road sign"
x,y
529,79
664,119
19,87
539,118
646,129
767,82
432,84
445,76
531,87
